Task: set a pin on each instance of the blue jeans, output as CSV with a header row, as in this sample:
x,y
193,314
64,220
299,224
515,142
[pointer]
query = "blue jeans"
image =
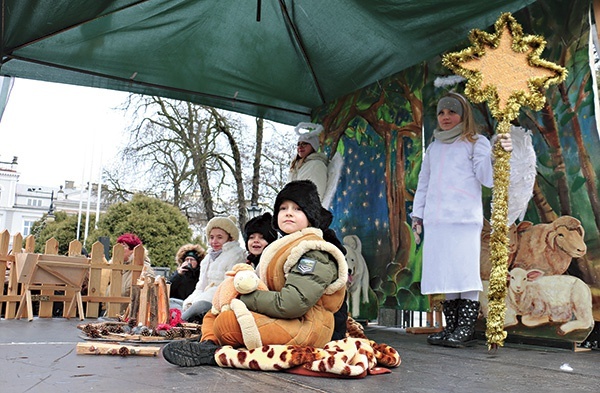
x,y
196,311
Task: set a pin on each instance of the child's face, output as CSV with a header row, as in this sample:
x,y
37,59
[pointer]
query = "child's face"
x,y
291,218
256,244
217,238
448,119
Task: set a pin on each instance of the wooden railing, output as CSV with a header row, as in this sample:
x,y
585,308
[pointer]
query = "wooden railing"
x,y
97,295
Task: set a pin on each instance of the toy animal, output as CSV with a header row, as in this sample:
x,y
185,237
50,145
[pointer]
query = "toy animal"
x,y
241,279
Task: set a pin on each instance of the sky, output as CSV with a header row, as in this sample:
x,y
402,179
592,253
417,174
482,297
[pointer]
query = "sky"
x,y
61,132
64,132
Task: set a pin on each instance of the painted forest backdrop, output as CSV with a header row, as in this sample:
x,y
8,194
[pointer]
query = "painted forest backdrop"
x,y
378,131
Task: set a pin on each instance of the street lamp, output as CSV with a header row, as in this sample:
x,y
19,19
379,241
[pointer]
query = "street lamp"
x,y
50,216
253,211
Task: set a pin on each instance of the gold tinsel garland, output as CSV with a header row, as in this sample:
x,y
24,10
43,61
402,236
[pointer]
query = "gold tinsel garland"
x,y
507,77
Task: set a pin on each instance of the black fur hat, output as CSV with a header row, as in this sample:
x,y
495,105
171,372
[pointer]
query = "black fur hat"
x,y
262,225
304,194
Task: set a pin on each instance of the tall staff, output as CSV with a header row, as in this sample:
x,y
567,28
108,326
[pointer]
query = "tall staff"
x,y
503,68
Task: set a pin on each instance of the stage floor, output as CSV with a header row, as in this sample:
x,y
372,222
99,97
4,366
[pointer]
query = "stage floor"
x,y
40,356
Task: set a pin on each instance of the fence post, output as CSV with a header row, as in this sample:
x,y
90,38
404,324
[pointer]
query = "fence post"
x,y
95,288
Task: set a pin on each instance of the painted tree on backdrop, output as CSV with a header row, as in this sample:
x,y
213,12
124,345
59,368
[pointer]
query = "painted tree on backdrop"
x,y
567,180
394,111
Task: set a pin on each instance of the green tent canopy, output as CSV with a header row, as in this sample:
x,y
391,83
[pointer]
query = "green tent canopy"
x,y
278,59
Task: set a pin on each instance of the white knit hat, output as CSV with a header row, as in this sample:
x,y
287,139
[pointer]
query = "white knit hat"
x,y
311,136
228,224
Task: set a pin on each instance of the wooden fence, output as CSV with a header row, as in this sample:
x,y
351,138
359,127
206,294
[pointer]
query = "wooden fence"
x,y
96,294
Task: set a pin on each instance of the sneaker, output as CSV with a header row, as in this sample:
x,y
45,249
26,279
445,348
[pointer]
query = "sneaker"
x,y
190,353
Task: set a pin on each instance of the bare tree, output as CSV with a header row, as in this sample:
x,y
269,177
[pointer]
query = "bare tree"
x,y
201,159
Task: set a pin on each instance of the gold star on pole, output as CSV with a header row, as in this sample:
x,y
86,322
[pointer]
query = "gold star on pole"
x,y
505,70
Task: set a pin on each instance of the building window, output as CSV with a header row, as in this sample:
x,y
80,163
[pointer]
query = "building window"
x,y
34,202
27,227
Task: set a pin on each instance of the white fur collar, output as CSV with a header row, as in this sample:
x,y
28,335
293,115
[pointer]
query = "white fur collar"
x,y
302,248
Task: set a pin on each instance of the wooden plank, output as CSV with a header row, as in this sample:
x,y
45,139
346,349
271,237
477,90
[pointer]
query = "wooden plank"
x,y
116,280
75,300
423,330
95,290
163,299
135,302
139,254
114,299
59,275
29,244
26,263
152,305
13,291
75,248
88,348
51,247
4,242
143,310
25,302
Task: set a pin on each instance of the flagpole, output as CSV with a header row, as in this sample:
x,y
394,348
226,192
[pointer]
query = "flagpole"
x,y
81,197
89,196
99,193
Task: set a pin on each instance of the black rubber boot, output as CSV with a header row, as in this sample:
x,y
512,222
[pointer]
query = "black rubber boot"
x,y
191,353
464,334
450,309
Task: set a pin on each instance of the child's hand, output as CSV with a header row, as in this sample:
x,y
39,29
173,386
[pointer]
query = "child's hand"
x,y
417,227
505,142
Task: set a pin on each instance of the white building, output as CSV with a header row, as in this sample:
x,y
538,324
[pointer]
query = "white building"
x,y
23,204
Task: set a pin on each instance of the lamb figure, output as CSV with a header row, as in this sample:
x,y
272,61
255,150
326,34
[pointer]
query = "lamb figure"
x,y
542,299
549,247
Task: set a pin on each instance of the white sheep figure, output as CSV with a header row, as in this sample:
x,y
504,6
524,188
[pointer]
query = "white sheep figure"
x,y
550,247
542,299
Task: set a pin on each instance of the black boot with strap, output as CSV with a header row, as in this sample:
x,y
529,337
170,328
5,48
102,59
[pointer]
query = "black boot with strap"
x,y
464,334
450,309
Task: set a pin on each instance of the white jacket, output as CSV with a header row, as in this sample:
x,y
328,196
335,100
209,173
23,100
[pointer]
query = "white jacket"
x,y
314,168
212,272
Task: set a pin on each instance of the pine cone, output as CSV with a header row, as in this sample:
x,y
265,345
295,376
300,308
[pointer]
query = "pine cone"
x,y
146,331
170,334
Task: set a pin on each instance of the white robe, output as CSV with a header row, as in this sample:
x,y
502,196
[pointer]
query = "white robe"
x,y
448,199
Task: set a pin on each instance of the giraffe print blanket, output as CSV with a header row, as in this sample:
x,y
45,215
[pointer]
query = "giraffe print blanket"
x,y
353,357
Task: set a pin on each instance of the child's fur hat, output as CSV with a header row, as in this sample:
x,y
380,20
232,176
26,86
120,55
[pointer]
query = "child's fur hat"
x,y
304,194
228,224
262,225
194,250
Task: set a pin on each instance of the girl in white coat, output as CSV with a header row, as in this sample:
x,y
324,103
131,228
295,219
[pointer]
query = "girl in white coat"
x,y
448,205
224,252
309,163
